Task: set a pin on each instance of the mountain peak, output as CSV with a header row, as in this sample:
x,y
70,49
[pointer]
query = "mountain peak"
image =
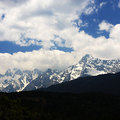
x,y
86,58
8,72
49,70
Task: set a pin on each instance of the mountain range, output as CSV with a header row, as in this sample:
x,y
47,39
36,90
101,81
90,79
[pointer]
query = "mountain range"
x,y
23,80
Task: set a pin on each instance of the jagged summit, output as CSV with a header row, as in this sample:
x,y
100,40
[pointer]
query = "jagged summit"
x,y
86,57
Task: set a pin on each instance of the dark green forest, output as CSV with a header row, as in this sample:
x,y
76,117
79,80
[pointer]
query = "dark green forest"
x,y
37,105
87,98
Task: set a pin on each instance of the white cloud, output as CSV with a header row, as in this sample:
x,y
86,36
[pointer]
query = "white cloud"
x,y
119,4
105,26
38,19
93,7
42,59
89,10
115,33
99,47
12,3
82,44
102,4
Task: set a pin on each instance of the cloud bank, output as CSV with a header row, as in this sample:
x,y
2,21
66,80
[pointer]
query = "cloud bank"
x,y
42,60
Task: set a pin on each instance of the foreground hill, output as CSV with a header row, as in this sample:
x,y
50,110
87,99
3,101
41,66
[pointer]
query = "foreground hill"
x,y
87,98
108,83
37,105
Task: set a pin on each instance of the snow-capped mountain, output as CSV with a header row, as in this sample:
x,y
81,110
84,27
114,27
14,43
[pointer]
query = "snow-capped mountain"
x,y
18,80
89,66
44,80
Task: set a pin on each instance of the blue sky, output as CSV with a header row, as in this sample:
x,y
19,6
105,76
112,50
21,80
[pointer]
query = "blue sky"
x,y
57,30
109,12
10,47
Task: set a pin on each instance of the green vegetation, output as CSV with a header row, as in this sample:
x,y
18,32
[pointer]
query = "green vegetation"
x,y
59,106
